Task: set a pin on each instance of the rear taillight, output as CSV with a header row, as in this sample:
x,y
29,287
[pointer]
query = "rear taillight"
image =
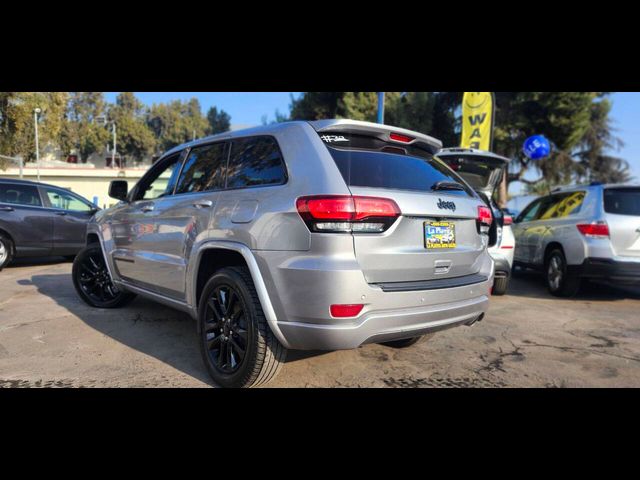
x,y
484,220
507,220
347,214
595,230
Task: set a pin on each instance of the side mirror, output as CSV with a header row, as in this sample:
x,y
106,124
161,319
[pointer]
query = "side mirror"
x,y
118,189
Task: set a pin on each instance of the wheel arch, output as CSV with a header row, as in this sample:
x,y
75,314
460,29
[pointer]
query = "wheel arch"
x,y
10,237
551,246
239,255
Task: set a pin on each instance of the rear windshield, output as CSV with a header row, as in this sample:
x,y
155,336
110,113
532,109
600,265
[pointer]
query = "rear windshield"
x,y
480,173
383,169
622,201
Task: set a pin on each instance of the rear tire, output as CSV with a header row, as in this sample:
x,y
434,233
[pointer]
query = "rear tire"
x,y
92,281
237,346
500,286
7,250
560,282
408,342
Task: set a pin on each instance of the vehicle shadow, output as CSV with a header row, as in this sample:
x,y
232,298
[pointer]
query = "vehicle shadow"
x,y
146,326
531,284
36,261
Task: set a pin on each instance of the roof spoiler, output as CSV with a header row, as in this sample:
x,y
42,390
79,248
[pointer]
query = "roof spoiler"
x,y
382,132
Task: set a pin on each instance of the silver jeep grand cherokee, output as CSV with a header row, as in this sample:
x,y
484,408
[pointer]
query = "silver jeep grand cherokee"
x,y
303,235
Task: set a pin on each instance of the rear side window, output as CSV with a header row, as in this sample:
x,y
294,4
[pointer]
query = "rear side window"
x,y
622,201
20,195
563,205
255,161
203,170
384,169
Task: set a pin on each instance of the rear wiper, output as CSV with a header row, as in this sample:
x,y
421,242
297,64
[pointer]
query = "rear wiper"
x,y
444,185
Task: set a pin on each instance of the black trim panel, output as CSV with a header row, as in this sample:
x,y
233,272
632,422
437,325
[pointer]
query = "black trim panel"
x,y
438,284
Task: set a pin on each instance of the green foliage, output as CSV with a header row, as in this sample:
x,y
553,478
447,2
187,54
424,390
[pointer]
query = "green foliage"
x,y
81,132
134,137
176,122
219,122
17,128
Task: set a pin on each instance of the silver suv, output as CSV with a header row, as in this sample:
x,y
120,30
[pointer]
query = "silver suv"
x,y
581,232
303,235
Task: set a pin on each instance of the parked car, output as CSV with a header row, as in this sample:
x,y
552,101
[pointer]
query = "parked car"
x,y
41,220
579,232
483,171
317,235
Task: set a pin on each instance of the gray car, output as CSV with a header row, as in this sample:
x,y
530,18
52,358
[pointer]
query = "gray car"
x,y
590,231
39,220
302,235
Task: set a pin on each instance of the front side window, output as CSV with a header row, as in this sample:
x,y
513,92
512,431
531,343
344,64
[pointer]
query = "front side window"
x,y
255,161
161,179
20,195
203,170
66,201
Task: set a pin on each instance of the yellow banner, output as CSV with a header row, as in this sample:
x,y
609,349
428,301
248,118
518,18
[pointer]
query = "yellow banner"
x,y
477,120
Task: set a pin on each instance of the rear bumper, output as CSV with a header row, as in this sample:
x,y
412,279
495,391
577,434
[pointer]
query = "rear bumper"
x,y
384,326
302,289
502,265
606,269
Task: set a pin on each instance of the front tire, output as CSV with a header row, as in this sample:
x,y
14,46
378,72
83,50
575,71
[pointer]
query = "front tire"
x,y
93,283
560,282
237,345
6,250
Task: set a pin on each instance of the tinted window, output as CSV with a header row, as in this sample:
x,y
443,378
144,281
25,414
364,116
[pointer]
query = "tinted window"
x,y
204,169
562,205
255,161
531,211
622,201
66,201
363,168
19,194
161,180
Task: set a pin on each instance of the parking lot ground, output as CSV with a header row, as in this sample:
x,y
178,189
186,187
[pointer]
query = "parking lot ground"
x,y
49,338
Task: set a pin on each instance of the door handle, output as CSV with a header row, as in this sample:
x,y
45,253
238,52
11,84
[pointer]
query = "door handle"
x,y
6,209
203,204
147,208
61,214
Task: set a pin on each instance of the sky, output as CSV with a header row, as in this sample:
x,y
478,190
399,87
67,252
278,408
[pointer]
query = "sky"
x,y
248,108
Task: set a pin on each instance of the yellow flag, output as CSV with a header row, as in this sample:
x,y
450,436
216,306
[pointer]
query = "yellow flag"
x,y
477,120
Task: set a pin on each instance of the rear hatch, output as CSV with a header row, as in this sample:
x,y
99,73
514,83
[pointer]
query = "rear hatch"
x,y
436,235
483,171
622,210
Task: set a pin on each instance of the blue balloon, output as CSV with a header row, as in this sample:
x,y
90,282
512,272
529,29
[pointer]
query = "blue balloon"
x,y
536,147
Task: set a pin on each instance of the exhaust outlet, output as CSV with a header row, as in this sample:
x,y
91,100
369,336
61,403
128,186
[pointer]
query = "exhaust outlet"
x,y
475,320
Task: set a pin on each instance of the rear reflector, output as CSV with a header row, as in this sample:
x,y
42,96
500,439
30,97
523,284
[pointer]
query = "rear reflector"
x,y
347,214
343,311
397,137
596,230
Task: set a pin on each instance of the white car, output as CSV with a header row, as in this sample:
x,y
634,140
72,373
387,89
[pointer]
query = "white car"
x,y
483,171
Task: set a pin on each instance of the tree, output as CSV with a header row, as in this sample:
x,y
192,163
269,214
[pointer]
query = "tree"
x,y
135,138
176,122
17,130
594,165
81,131
219,122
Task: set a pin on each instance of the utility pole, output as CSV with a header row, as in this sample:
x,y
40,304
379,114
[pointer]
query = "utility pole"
x,y
36,112
380,107
113,151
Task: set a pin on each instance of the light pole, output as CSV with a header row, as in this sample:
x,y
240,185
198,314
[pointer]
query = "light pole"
x,y
113,151
36,112
380,107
